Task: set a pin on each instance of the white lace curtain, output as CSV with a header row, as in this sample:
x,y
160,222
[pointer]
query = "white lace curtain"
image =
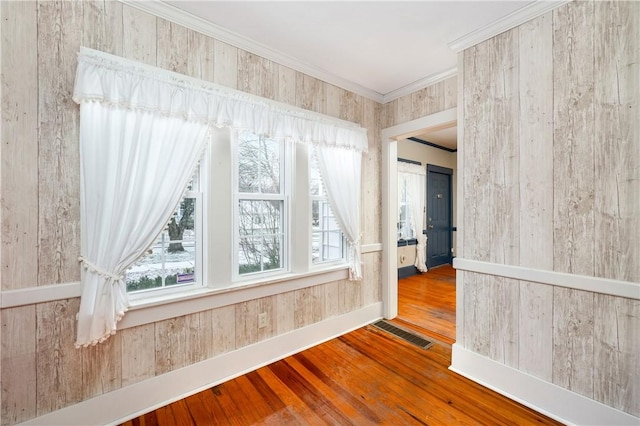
x,y
412,178
142,131
340,170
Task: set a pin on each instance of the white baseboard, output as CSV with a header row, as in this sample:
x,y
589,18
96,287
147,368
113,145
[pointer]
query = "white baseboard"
x,y
134,400
549,399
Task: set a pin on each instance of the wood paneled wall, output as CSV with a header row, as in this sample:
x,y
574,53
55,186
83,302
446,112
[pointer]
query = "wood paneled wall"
x,y
435,98
41,370
552,181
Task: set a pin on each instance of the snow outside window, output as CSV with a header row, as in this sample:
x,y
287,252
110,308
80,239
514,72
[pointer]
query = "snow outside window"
x,y
174,261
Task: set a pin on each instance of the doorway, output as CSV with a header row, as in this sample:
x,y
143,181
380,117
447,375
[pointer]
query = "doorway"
x,y
439,216
390,137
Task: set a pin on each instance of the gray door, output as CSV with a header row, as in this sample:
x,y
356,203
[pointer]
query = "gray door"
x,y
439,216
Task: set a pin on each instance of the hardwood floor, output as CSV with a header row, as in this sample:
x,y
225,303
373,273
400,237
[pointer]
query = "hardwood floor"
x,y
365,377
427,303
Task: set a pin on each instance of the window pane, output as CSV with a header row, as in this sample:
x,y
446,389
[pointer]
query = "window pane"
x,y
261,235
272,257
404,216
260,217
249,217
316,186
172,258
249,255
259,162
258,254
326,237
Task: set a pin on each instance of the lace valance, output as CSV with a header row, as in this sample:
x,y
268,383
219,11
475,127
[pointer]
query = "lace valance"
x,y
120,82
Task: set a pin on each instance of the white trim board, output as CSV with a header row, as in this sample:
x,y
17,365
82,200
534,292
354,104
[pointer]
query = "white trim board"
x,y
39,294
512,20
542,396
579,282
52,292
149,312
371,248
134,400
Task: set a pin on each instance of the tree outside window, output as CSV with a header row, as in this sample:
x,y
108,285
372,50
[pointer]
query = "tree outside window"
x,y
260,201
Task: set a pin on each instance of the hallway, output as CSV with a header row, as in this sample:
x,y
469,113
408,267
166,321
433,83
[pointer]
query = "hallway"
x,y
427,303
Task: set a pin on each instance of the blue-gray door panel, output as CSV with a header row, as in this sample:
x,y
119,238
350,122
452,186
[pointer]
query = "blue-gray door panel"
x,y
439,237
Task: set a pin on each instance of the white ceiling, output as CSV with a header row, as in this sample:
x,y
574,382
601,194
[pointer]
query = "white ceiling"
x,y
447,138
380,46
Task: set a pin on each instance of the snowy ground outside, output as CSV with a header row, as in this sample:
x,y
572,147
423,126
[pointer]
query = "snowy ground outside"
x,y
159,259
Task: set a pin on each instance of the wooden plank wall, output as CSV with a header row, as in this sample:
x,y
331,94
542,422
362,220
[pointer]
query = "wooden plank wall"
x,y
552,181
41,370
435,98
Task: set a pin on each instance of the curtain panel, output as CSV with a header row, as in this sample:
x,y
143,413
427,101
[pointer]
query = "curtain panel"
x,y
134,167
142,132
414,177
340,170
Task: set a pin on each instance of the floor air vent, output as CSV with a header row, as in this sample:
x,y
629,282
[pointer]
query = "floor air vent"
x,y
405,335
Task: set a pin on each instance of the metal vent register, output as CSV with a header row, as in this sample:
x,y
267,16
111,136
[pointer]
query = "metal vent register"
x,y
405,335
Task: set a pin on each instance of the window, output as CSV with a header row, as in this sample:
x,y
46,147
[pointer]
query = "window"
x,y
411,199
241,219
261,204
327,241
174,261
404,210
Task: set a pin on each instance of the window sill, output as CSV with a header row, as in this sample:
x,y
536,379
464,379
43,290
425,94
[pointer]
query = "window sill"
x,y
148,310
409,242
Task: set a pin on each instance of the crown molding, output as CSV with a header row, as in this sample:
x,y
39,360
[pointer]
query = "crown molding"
x,y
419,84
171,13
167,11
512,20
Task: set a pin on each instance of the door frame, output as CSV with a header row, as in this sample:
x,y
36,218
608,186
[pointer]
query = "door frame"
x,y
390,137
449,172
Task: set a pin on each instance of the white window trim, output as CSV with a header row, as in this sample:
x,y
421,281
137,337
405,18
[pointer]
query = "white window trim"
x,y
284,195
151,310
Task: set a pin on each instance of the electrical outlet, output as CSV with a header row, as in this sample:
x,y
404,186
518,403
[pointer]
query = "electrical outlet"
x,y
262,320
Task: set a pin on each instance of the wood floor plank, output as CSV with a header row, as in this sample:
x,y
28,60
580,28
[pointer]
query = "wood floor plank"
x,y
199,412
293,402
270,397
164,415
308,361
255,403
149,419
235,414
348,406
214,407
325,408
181,414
